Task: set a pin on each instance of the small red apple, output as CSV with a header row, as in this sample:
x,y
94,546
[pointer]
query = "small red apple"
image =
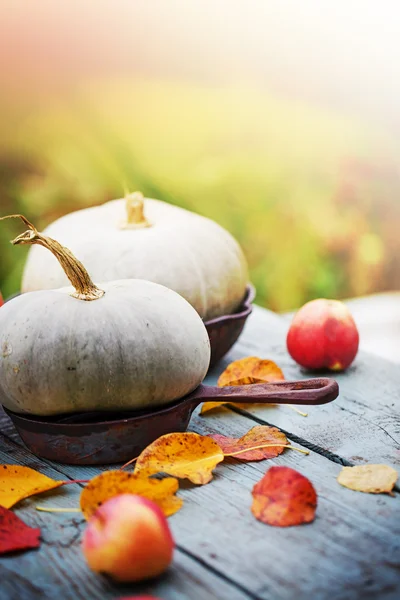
x,y
323,335
129,539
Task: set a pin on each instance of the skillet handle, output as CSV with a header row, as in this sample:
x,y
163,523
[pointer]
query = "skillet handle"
x,y
306,391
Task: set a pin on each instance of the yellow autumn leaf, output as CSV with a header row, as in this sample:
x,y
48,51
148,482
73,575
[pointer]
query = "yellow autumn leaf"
x,y
112,483
17,483
207,406
373,479
250,370
184,455
245,371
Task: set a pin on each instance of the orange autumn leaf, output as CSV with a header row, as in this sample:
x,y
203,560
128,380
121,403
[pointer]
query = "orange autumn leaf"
x,y
245,371
272,438
284,497
250,370
17,483
112,483
207,406
184,455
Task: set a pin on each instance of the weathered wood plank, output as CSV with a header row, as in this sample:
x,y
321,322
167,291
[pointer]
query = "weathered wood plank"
x,y
59,572
58,569
353,545
351,550
362,425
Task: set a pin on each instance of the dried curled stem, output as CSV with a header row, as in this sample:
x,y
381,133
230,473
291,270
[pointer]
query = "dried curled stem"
x,y
85,289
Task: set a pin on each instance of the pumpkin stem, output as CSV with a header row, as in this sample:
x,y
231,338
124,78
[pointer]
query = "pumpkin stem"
x,y
85,289
135,219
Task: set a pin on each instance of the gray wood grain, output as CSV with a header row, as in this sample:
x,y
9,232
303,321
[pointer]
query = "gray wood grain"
x,y
353,544
57,571
58,568
352,550
362,425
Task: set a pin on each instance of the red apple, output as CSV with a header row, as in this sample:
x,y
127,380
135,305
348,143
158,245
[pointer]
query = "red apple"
x,y
129,539
323,335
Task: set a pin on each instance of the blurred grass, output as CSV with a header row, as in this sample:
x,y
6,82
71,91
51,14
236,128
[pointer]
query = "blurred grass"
x,y
311,195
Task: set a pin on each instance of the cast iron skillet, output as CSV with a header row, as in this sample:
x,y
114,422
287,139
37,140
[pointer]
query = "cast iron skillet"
x,y
224,331
91,439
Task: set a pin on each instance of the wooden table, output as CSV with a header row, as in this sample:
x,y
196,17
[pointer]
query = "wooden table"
x,y
352,550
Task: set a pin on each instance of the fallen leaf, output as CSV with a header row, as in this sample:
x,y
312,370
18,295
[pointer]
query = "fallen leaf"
x,y
373,479
245,371
207,406
17,483
184,455
284,497
257,436
250,370
111,483
15,534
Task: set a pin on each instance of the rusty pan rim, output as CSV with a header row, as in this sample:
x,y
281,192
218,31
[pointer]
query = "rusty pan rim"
x,y
48,422
245,309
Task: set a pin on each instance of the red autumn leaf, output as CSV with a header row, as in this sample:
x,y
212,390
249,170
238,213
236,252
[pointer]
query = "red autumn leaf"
x,y
273,440
284,497
15,534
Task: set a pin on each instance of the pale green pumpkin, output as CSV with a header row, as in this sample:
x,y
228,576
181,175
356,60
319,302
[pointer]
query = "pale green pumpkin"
x,y
125,345
141,238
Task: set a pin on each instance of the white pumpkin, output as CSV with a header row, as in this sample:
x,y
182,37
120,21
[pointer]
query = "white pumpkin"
x,y
187,253
135,345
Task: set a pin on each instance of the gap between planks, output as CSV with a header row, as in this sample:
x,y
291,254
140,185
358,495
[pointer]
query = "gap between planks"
x,y
201,546
36,462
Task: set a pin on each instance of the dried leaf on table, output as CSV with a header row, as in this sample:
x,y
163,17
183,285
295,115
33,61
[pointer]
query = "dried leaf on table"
x,y
284,497
112,483
184,455
207,406
272,438
245,371
250,370
18,482
15,535
373,479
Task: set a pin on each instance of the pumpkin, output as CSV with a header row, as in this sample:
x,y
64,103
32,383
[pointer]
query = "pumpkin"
x,y
148,239
124,345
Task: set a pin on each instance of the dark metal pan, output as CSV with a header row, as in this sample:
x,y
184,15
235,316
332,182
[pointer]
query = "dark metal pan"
x,y
104,438
225,330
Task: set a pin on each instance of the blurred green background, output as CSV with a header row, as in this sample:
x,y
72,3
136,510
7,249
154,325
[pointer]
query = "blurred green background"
x,y
309,188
